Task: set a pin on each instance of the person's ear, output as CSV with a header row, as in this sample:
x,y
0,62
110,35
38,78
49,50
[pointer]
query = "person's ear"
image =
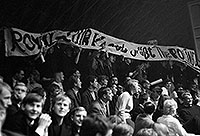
x,y
2,115
23,107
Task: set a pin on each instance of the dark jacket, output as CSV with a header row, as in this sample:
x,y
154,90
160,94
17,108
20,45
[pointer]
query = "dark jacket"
x,y
87,99
76,100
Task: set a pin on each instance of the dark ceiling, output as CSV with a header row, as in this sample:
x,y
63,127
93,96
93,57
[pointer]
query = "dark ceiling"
x,y
137,21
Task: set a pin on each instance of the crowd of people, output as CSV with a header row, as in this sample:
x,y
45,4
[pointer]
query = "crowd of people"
x,y
97,106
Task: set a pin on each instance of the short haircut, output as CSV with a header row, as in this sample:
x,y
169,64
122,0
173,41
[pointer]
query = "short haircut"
x,y
75,110
89,79
72,80
4,85
122,130
32,97
39,90
93,125
143,97
146,132
102,77
102,91
149,107
61,97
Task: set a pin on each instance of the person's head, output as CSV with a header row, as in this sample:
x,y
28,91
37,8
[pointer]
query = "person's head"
x,y
169,107
40,91
75,82
32,105
35,76
149,108
54,90
146,132
5,94
131,87
103,80
95,126
187,99
59,76
105,94
61,105
146,84
77,115
20,91
122,130
115,120
143,98
91,82
161,129
19,74
75,72
113,80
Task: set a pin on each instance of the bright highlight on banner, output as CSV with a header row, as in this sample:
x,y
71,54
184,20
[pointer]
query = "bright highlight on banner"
x,y
21,43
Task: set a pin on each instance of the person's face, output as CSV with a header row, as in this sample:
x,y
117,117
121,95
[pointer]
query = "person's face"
x,y
61,108
5,96
188,100
20,92
20,75
77,73
33,110
104,83
114,80
109,94
147,85
95,83
78,117
79,83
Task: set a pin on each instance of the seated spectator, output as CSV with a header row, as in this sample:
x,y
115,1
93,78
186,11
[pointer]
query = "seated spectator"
x,y
122,130
76,117
144,120
19,92
60,107
101,105
30,121
175,127
95,126
146,132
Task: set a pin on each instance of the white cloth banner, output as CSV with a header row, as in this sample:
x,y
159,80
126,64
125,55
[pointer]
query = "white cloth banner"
x,y
22,43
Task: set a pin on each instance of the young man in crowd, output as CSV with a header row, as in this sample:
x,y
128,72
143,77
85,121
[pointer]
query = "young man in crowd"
x,y
30,121
101,105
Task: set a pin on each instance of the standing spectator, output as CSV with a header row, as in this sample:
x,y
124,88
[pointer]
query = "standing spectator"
x,y
60,107
175,127
144,120
90,94
74,91
58,79
33,80
17,77
30,121
101,106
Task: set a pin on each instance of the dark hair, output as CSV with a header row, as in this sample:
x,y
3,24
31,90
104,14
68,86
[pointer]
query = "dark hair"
x,y
32,97
102,77
72,81
39,90
122,130
149,107
93,125
143,97
102,91
89,79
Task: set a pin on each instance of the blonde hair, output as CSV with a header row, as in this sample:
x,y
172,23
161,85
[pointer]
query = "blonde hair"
x,y
170,107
